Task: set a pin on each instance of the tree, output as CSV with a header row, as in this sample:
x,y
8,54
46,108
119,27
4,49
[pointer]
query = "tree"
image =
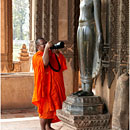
x,y
21,19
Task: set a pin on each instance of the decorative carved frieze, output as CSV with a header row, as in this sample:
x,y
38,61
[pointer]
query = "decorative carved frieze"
x,y
90,105
88,122
123,46
84,100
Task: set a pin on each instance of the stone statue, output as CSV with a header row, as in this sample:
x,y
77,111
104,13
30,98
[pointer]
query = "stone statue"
x,y
90,41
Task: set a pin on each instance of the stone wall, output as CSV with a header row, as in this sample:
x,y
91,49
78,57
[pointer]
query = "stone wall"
x,y
17,90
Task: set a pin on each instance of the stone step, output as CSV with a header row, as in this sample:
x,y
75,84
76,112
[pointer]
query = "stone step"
x,y
85,122
87,105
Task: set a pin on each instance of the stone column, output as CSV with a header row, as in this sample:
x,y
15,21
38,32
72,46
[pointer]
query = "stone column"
x,y
120,118
33,18
116,53
6,36
38,12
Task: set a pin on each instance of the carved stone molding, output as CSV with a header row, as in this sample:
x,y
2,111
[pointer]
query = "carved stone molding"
x,y
90,105
88,122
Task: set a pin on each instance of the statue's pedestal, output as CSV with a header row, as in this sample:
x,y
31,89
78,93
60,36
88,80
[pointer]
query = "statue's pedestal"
x,y
84,113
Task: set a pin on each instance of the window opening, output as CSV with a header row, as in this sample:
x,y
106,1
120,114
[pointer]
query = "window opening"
x,y
20,10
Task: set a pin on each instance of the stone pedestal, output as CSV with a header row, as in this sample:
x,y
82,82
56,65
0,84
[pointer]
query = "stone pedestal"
x,y
84,113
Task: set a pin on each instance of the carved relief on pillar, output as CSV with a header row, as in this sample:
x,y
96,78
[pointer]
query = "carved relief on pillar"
x,y
54,20
46,19
113,39
123,46
39,19
116,52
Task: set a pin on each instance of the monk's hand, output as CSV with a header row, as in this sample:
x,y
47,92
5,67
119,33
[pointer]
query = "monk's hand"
x,y
49,44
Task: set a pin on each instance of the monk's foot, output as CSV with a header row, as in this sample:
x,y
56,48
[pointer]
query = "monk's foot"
x,y
85,93
49,128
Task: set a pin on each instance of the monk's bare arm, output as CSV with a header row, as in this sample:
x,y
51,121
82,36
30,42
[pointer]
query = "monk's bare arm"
x,y
46,54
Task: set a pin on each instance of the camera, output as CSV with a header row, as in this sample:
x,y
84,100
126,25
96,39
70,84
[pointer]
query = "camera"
x,y
58,45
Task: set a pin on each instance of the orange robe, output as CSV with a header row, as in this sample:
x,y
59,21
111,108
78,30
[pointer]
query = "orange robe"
x,y
49,91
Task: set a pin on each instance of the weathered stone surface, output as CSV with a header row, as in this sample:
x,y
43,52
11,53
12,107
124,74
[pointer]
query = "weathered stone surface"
x,y
17,90
120,119
84,113
85,122
87,105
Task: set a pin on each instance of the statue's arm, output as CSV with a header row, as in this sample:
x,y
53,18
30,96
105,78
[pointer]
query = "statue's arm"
x,y
97,16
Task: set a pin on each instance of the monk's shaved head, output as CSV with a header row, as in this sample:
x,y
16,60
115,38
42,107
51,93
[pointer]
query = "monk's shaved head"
x,y
39,40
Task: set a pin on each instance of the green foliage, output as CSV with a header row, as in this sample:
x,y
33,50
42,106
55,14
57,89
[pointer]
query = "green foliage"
x,y
20,19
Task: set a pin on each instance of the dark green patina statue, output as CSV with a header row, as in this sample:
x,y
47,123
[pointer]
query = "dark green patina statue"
x,y
90,41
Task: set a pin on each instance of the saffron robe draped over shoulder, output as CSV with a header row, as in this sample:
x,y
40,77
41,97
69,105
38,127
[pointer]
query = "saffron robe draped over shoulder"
x,y
49,91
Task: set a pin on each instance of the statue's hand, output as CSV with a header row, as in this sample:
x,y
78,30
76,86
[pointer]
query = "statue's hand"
x,y
100,44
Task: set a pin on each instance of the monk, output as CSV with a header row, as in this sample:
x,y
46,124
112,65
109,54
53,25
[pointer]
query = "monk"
x,y
49,91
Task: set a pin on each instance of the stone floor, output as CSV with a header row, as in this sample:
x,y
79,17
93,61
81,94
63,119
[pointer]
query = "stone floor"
x,y
26,119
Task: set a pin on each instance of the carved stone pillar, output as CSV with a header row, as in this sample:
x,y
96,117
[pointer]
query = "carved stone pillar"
x,y
115,60
120,118
39,12
54,20
46,19
6,35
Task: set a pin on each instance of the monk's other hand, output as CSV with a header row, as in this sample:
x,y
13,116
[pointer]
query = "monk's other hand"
x,y
49,44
